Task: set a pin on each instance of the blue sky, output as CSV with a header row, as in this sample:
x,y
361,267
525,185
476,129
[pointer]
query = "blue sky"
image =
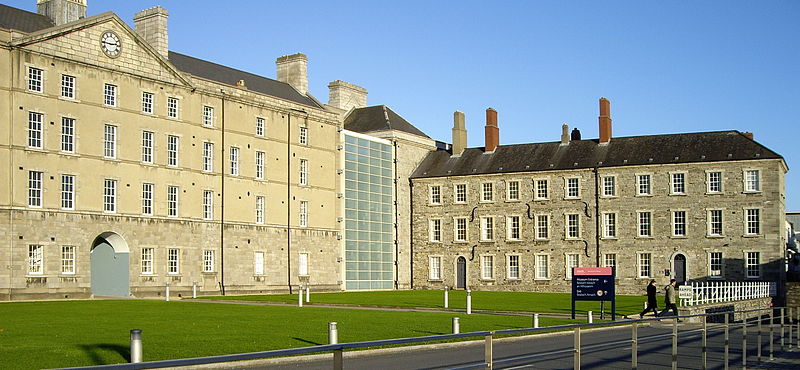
x,y
667,67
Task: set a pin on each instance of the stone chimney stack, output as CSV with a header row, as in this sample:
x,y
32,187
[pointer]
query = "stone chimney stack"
x,y
62,11
459,133
344,95
293,69
151,24
492,132
605,121
564,134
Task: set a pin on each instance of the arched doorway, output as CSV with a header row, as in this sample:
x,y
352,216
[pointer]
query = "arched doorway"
x,y
679,266
109,260
461,273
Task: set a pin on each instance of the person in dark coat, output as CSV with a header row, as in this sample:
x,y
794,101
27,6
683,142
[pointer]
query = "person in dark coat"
x,y
652,303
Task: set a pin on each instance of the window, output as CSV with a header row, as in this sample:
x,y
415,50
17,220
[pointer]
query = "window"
x,y
715,222
235,161
513,190
67,135
573,226
208,157
487,228
460,226
303,139
259,210
258,268
435,194
172,201
302,265
435,268
752,265
609,186
715,264
172,107
645,224
513,266
304,172
436,230
173,143
68,86
460,193
35,189
303,213
572,261
147,261
208,261
487,267
259,126
68,259
147,199
609,225
542,266
147,146
259,165
541,189
714,182
610,260
147,102
110,195
487,195
573,188
173,260
513,223
67,192
643,185
208,116
753,223
35,79
110,95
752,180
679,183
35,130
679,223
110,141
542,226
644,265
35,259
208,205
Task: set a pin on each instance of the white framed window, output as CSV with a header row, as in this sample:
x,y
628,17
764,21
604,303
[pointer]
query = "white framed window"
x,y
35,259
68,86
173,261
609,225
644,185
110,141
513,227
35,130
147,102
35,79
487,229
208,157
147,199
67,192
259,126
487,192
512,191
460,229
714,182
302,265
234,161
678,183
304,172
67,135
303,139
173,147
487,267
715,222
645,226
259,209
208,205
542,191
542,227
678,223
752,265
110,95
610,260
258,263
172,107
513,267
645,267
208,116
435,194
435,268
35,189
572,188
208,261
259,165
609,186
147,146
752,221
109,195
303,213
67,260
147,261
435,230
573,225
572,260
460,193
542,265
172,201
715,264
752,180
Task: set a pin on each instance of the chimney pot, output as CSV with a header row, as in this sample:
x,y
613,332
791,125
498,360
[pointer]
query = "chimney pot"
x,y
605,121
151,24
459,133
748,135
492,132
293,69
576,134
564,134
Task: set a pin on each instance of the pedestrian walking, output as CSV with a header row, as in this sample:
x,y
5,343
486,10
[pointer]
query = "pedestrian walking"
x,y
652,303
670,299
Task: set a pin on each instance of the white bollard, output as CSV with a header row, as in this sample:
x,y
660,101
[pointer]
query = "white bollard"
x,y
456,325
446,298
308,294
536,320
166,295
194,289
136,346
589,315
299,297
469,302
333,333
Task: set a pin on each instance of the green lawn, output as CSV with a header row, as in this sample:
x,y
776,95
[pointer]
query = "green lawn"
x,y
74,333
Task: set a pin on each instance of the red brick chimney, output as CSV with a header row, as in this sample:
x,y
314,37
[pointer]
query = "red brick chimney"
x,y
748,135
492,131
605,121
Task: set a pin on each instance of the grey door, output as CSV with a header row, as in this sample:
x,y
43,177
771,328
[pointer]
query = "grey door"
x,y
461,273
109,271
680,269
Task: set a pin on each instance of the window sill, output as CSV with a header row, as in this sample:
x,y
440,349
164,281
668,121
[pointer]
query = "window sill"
x,y
752,236
715,236
678,237
459,202
572,198
751,192
715,193
609,196
488,280
435,241
435,204
512,200
541,199
435,280
486,241
209,272
513,240
644,195
460,242
572,239
650,237
541,279
678,194
609,238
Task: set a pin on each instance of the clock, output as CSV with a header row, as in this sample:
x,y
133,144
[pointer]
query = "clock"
x,y
111,44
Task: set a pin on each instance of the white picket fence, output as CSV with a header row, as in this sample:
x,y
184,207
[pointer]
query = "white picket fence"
x,y
704,292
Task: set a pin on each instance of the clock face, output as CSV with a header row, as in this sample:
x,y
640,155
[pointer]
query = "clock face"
x,y
111,44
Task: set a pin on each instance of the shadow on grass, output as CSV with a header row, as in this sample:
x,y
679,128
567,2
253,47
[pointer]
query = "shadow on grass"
x,y
428,332
94,351
307,341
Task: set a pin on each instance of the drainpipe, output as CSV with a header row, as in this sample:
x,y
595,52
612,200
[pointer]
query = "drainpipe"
x,y
15,73
289,195
396,233
222,202
597,216
411,232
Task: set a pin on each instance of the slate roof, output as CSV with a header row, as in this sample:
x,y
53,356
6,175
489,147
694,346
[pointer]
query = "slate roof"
x,y
21,20
621,151
378,118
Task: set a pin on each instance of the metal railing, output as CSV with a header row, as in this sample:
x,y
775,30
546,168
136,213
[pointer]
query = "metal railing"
x,y
704,292
488,336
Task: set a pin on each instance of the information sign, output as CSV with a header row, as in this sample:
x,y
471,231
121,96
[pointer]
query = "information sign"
x,y
593,284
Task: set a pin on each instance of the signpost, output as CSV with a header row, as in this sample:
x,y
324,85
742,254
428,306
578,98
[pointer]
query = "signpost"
x,y
593,284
